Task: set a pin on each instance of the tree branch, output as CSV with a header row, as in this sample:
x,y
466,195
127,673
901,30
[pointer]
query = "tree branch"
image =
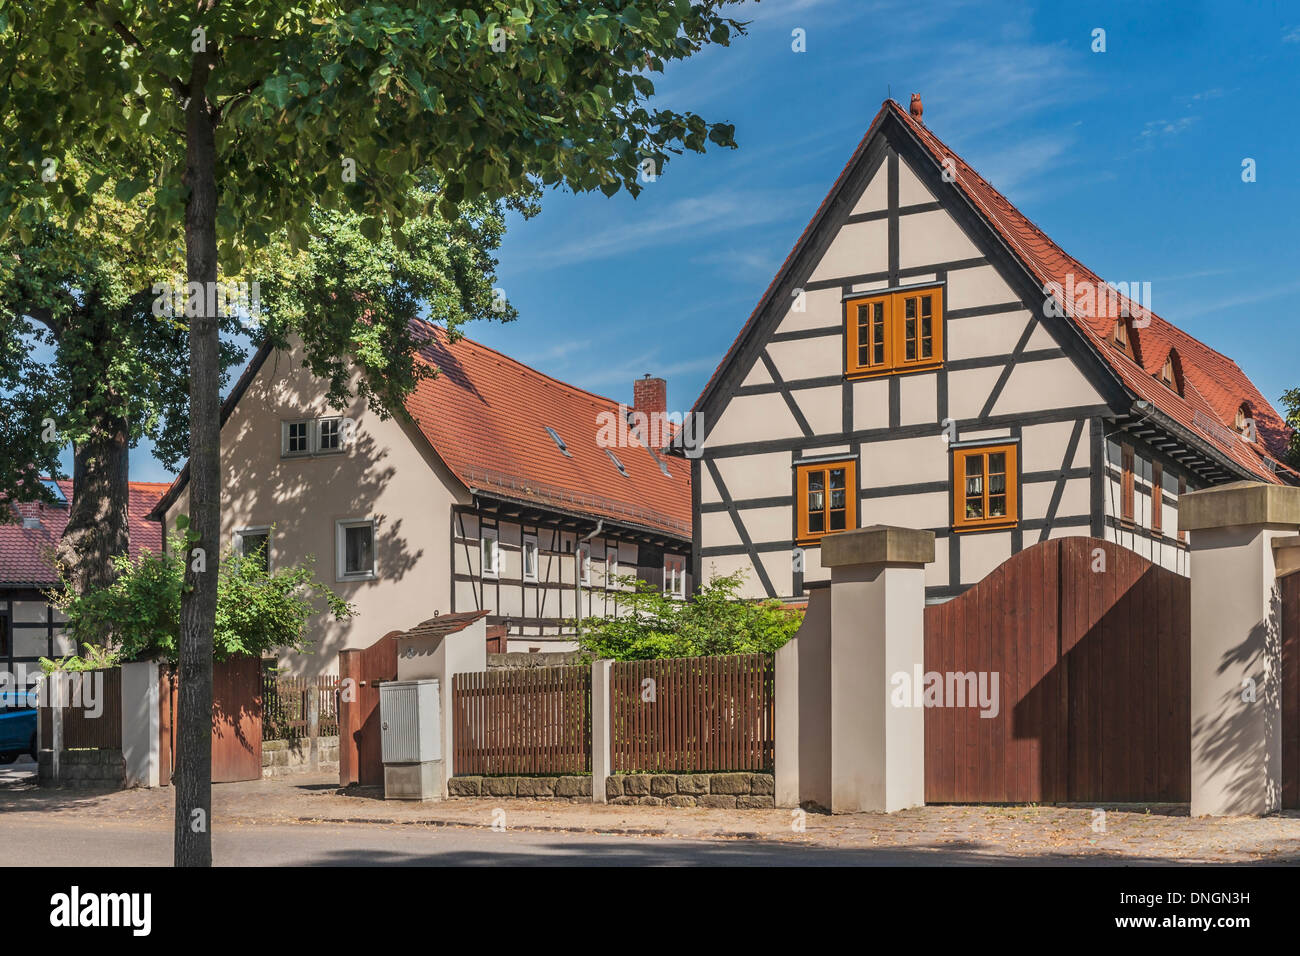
x,y
114,20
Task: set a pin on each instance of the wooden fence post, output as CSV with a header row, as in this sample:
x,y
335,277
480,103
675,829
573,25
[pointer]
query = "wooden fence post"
x,y
349,716
601,753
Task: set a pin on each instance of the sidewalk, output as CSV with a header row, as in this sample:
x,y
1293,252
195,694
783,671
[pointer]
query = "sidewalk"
x,y
1028,833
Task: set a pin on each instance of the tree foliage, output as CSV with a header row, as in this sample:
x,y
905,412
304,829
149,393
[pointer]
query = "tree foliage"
x,y
258,611
1291,412
492,97
714,621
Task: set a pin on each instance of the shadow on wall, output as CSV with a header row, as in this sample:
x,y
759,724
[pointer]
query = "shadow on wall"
x,y
303,497
1238,737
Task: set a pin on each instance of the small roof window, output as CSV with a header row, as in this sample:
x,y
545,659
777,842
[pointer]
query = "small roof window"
x,y
53,488
559,442
617,464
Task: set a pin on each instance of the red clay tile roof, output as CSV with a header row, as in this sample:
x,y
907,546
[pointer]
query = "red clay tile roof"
x,y
444,624
1214,385
486,415
24,551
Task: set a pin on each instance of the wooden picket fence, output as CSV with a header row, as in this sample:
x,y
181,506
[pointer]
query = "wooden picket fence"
x,y
284,705
694,714
92,714
528,721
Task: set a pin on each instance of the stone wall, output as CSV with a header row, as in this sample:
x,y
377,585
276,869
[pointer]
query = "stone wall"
x,y
294,756
516,659
732,791
83,769
573,789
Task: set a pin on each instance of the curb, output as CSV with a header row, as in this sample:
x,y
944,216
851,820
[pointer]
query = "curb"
x,y
541,828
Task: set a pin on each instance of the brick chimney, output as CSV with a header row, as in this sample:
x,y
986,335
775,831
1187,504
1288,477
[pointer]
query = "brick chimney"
x,y
915,108
650,395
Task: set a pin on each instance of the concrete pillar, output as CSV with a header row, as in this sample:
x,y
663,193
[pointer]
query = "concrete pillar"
x,y
803,708
601,729
877,630
1236,667
140,723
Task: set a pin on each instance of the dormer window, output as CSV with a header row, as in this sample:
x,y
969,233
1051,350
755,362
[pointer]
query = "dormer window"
x,y
1123,338
1171,373
1245,422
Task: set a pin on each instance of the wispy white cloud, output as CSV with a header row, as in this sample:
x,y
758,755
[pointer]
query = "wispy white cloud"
x,y
1246,298
692,217
1155,129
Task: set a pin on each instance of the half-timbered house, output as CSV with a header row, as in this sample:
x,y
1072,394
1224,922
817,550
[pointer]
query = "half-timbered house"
x,y
501,489
926,356
30,627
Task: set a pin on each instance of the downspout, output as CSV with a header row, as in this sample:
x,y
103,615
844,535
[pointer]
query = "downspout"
x,y
577,576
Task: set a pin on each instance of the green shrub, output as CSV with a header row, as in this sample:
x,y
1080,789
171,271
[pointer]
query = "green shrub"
x,y
258,611
714,621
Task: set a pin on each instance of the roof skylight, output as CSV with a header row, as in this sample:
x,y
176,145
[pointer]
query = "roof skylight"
x,y
617,464
559,442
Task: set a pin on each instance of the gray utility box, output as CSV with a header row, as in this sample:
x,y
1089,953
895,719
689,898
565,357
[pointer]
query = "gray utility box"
x,y
410,724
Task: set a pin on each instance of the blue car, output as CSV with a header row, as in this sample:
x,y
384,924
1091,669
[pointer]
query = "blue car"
x,y
17,724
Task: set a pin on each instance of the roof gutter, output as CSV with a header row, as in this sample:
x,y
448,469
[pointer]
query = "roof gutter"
x,y
1147,411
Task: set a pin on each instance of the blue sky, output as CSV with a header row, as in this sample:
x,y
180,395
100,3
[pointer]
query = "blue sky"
x,y
1130,159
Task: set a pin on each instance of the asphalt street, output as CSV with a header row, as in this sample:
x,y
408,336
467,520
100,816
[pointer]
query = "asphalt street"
x,y
108,844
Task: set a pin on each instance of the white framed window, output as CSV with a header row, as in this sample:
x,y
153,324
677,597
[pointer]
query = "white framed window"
x,y
490,552
295,438
584,564
530,557
675,575
329,435
355,546
254,541
611,565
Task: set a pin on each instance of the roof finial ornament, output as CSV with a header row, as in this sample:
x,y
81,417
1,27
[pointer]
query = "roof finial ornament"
x,y
915,108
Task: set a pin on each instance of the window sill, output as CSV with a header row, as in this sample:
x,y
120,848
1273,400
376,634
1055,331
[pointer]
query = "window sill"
x,y
856,374
350,578
985,526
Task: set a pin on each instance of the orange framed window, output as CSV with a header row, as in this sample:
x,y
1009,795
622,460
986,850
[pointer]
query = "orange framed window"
x,y
894,332
1157,498
986,492
827,498
1126,484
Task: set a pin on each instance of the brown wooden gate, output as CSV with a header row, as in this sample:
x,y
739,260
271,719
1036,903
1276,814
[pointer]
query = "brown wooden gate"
x,y
360,674
236,720
1094,681
1289,588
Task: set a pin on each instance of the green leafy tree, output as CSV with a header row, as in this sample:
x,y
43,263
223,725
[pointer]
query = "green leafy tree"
x,y
258,611
341,105
89,360
86,363
714,621
1291,412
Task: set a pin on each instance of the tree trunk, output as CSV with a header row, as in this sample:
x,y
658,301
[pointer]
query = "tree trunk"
x,y
193,845
97,514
